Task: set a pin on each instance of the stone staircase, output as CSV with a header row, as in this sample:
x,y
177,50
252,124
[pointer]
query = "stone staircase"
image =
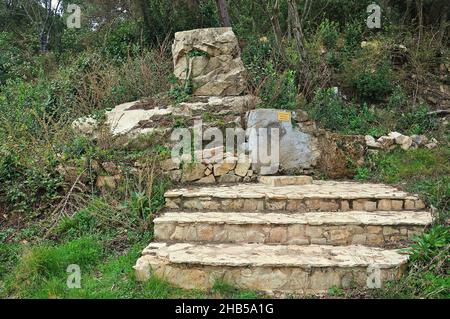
x,y
299,239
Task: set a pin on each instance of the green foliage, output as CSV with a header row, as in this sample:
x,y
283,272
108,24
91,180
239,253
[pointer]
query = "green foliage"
x,y
353,35
42,266
428,276
425,172
41,273
331,112
426,247
417,121
122,40
276,88
398,99
122,54
362,173
25,187
436,192
373,84
226,290
9,256
139,205
336,292
329,33
279,91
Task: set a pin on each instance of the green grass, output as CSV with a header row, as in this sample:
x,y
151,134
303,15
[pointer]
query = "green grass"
x,y
429,268
399,165
422,171
41,273
427,173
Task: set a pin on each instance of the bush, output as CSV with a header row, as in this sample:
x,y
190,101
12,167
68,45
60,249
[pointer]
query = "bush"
x,y
417,121
398,99
276,87
329,33
331,112
353,35
26,187
428,268
373,85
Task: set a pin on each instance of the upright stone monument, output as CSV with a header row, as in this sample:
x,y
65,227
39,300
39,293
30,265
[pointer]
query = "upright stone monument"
x,y
211,60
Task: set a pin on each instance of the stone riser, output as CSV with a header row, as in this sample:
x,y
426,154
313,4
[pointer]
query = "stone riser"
x,y
286,234
298,280
294,205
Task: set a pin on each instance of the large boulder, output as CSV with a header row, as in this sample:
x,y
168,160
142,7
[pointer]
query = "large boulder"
x,y
133,118
211,59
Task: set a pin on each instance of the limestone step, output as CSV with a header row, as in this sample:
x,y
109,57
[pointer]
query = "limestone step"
x,y
285,180
270,268
331,228
318,196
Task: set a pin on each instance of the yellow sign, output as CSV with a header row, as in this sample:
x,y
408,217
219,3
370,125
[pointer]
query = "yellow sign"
x,y
284,116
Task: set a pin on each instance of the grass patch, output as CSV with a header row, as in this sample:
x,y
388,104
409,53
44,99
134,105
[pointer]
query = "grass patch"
x,y
429,270
422,171
427,173
41,273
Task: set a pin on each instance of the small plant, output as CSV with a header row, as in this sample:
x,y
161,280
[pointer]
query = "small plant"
x,y
431,244
336,292
225,290
373,84
329,33
428,268
139,205
397,100
196,53
362,173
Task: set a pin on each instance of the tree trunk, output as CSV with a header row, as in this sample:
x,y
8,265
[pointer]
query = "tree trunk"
x,y
143,7
419,6
223,13
297,28
443,25
277,28
407,11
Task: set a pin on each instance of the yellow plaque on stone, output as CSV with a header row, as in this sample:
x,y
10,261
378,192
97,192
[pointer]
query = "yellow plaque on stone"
x,y
284,116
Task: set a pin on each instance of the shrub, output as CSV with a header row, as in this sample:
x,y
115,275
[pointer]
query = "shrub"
x,y
275,86
26,187
373,84
417,121
428,268
329,33
279,91
353,35
398,99
331,112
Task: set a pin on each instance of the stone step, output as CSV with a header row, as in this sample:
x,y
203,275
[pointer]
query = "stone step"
x,y
285,180
271,268
318,196
331,228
